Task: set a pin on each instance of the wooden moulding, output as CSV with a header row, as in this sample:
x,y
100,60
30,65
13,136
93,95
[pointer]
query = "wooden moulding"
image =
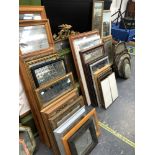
x,y
51,110
50,85
33,10
45,23
88,56
97,17
91,114
29,90
66,112
96,76
76,56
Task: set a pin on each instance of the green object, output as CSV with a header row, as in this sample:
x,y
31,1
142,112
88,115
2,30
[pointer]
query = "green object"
x,y
29,2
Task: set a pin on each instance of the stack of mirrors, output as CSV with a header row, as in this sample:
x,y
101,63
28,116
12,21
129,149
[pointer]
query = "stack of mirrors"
x,y
55,101
90,58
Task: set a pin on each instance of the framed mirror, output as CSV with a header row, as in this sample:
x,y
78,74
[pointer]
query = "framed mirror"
x,y
51,91
32,13
106,23
97,15
35,37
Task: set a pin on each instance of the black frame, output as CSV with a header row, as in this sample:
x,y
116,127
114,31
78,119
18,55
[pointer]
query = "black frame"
x,y
42,65
88,125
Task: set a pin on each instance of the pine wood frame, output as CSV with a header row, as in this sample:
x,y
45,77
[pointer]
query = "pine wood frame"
x,y
51,110
29,87
24,23
33,9
80,71
96,79
68,110
92,113
49,84
100,28
89,125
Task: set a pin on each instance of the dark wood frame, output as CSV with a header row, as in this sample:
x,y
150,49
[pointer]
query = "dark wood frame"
x,y
42,65
45,22
48,85
88,125
91,114
87,74
52,109
100,28
66,112
33,9
80,71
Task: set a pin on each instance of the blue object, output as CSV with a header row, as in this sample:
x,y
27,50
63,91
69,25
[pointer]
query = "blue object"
x,y
122,34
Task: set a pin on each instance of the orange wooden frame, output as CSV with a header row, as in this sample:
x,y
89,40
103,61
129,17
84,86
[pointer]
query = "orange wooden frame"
x,y
24,23
33,9
92,113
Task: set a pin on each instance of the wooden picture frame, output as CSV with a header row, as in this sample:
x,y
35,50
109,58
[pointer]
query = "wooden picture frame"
x,y
92,68
88,56
23,148
97,16
32,12
63,85
91,114
26,134
65,113
52,110
47,71
97,76
66,126
108,47
80,42
106,23
89,139
35,37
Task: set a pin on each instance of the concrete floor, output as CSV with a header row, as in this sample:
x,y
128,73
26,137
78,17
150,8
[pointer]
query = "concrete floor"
x,y
120,116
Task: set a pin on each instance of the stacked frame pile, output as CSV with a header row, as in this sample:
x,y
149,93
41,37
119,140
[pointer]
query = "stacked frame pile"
x,y
89,57
49,87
